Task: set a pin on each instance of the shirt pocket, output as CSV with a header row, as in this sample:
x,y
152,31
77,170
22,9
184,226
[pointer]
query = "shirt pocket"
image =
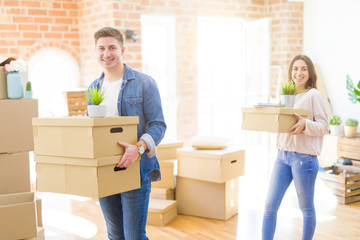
x,y
134,106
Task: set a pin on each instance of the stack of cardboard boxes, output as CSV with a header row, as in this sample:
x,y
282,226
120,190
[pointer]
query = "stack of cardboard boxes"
x,y
20,210
207,182
162,205
78,155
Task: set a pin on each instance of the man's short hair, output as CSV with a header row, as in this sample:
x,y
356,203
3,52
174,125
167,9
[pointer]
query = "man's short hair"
x,y
109,32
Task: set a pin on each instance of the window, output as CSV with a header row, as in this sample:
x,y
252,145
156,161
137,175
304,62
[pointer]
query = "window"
x,y
52,72
220,77
158,56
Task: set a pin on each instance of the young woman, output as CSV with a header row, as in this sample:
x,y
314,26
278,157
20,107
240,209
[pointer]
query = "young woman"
x,y
297,151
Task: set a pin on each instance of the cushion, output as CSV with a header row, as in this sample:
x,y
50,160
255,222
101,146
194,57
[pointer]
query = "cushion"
x,y
207,142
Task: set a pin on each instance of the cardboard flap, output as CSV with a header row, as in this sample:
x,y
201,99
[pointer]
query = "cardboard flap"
x,y
209,154
82,121
276,110
161,205
90,162
16,198
162,190
170,144
6,60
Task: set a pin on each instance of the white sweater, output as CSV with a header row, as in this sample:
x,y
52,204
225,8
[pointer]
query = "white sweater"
x,y
310,141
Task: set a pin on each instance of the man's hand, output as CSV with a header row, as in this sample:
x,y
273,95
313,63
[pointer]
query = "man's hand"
x,y
299,126
130,155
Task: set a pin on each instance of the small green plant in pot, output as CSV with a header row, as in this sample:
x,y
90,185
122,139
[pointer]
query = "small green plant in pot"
x,y
335,125
95,96
28,92
287,95
350,127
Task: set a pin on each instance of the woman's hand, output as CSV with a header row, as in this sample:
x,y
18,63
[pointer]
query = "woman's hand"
x,y
131,153
299,127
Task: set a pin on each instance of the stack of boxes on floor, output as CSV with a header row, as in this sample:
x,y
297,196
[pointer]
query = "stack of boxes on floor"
x,y
20,209
207,182
78,155
162,205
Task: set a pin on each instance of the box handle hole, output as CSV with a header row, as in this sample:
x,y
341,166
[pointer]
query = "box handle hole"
x,y
233,161
116,130
116,168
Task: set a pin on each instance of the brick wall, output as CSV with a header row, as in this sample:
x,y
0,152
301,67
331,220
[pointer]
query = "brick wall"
x,y
28,26
286,36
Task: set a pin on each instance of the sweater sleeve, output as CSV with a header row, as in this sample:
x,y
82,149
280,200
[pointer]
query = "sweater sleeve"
x,y
318,125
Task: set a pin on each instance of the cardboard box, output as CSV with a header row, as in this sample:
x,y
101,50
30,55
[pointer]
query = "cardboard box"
x,y
270,119
83,137
167,150
40,234
3,84
14,173
168,170
17,216
207,199
39,212
163,193
16,128
161,212
93,178
211,165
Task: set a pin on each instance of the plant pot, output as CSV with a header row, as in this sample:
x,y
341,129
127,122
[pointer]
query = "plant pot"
x,y
335,130
15,85
28,94
287,101
350,131
96,111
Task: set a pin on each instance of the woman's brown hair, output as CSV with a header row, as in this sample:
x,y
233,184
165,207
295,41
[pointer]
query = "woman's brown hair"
x,y
311,83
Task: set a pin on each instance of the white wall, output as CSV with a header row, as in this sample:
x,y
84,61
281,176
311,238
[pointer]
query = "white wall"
x,y
332,41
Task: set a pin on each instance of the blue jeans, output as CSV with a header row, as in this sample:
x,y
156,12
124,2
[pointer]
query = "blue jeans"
x,y
303,169
126,213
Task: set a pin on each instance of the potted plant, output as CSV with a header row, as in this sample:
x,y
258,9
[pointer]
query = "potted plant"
x,y
95,96
350,127
287,95
28,92
335,125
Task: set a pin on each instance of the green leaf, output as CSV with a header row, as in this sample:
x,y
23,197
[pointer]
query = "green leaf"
x,y
288,88
357,92
95,95
353,93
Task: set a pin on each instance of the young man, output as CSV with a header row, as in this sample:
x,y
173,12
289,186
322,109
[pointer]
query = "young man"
x,y
129,93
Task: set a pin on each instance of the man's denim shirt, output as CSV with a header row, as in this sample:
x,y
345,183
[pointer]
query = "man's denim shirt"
x,y
139,96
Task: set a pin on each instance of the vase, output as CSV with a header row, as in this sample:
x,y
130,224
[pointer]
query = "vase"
x,y
96,111
3,88
28,94
15,85
335,130
287,101
350,131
